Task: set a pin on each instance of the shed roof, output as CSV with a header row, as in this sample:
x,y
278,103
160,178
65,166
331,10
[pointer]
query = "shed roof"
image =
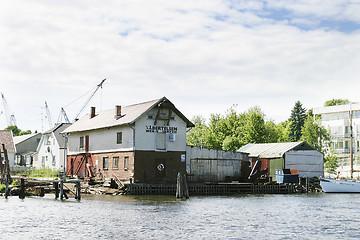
x,y
22,138
6,137
273,150
130,114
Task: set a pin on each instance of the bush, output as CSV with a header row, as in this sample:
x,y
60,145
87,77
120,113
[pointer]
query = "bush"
x,y
2,188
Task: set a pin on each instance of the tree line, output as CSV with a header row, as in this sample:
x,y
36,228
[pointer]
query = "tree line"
x,y
234,130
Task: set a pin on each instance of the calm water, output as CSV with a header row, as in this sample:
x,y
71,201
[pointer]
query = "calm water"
x,y
315,216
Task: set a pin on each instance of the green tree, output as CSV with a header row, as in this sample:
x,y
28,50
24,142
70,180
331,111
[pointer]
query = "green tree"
x,y
297,119
195,136
233,130
283,131
254,130
334,102
331,162
319,137
16,131
315,134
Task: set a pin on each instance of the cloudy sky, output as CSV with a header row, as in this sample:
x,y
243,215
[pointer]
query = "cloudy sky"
x,y
205,56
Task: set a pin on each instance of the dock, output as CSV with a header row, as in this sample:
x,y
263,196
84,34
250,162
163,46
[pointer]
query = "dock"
x,y
197,189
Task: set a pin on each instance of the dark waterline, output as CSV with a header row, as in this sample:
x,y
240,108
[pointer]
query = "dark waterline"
x,y
313,216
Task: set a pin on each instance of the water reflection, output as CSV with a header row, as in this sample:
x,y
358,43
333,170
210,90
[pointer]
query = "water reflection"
x,y
313,216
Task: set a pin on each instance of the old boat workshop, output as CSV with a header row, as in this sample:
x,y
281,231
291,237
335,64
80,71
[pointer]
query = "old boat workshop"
x,y
143,147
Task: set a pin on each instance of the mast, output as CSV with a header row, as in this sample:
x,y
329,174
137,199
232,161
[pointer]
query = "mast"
x,y
351,144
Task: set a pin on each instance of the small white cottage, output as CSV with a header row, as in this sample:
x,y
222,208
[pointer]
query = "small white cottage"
x,y
51,148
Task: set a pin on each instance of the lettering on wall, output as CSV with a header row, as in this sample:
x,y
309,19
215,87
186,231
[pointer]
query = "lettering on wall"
x,y
161,129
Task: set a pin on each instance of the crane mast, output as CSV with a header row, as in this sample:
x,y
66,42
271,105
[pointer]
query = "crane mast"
x,y
91,96
10,118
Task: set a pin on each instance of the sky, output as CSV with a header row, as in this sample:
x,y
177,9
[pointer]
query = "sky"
x,y
204,56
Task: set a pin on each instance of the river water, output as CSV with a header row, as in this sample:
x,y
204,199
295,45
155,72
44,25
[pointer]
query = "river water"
x,y
313,216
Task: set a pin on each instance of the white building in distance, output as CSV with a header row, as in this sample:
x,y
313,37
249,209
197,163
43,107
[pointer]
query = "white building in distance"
x,y
343,121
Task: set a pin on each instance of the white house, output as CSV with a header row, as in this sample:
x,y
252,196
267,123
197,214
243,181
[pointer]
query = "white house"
x,y
145,142
51,148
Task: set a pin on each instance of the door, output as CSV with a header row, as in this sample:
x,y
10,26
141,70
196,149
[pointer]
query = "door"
x,y
87,143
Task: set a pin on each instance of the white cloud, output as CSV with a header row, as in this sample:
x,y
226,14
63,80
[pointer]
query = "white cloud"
x,y
203,57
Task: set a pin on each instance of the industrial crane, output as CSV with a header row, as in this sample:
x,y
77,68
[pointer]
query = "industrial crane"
x,y
10,118
63,116
91,96
48,116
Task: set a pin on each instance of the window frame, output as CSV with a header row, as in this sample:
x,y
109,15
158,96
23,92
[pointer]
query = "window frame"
x,y
105,163
117,163
82,142
126,163
119,138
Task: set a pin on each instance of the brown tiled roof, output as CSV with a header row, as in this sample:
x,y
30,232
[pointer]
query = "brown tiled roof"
x,y
6,137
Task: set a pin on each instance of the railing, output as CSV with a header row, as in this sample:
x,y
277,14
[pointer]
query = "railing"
x,y
42,173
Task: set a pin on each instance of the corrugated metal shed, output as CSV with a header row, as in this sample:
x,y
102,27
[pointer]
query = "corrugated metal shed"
x,y
273,150
129,114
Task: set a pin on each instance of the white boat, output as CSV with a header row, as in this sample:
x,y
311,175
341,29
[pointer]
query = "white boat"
x,y
339,186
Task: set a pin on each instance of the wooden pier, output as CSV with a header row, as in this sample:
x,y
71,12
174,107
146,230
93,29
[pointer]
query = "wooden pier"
x,y
215,189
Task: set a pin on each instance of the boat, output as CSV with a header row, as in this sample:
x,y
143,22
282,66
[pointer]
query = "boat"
x,y
339,186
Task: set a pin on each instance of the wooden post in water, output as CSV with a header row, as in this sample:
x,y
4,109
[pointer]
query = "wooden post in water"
x,y
182,190
7,185
78,193
61,189
22,189
6,171
307,185
56,187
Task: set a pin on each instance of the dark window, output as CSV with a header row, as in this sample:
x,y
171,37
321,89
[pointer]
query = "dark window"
x,y
105,163
126,163
119,138
115,162
81,142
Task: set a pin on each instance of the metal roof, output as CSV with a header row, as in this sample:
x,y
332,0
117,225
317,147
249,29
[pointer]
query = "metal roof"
x,y
273,150
22,138
130,114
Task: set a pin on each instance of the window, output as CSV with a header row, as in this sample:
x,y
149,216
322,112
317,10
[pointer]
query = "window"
x,y
105,162
115,162
126,163
53,161
151,117
81,142
119,138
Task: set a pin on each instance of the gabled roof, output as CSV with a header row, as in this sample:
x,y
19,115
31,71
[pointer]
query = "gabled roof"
x,y
6,137
57,131
22,138
130,114
273,150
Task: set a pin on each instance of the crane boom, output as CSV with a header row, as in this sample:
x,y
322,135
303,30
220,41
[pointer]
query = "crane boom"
x,y
91,96
10,118
48,115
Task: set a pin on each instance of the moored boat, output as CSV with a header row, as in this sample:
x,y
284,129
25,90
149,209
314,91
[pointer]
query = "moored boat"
x,y
339,186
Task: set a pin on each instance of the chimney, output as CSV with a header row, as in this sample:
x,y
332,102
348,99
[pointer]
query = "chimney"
x,y
92,112
117,111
